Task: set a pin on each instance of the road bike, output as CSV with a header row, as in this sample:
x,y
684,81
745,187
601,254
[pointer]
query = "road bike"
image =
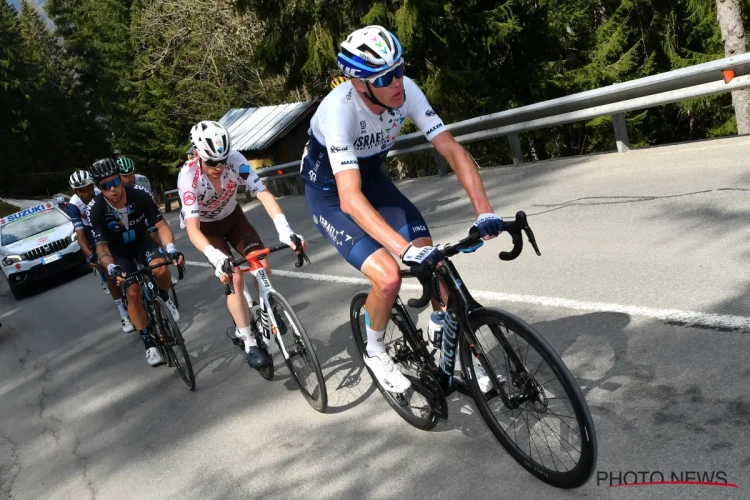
x,y
524,392
273,317
163,328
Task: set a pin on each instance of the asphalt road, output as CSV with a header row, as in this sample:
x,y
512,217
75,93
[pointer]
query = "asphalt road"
x,y
641,287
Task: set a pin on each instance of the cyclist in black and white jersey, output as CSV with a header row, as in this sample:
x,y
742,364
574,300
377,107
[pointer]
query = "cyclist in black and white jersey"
x,y
215,222
130,178
118,216
78,211
355,206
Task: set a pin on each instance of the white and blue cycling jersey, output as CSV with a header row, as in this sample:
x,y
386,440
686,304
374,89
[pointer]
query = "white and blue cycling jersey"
x,y
78,211
345,134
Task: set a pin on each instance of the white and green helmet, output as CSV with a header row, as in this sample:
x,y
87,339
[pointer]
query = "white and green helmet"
x,y
127,166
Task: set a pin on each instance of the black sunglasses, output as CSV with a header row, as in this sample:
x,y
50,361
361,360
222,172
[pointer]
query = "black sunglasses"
x,y
213,163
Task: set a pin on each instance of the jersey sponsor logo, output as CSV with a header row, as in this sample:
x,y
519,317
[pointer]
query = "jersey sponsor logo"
x,y
228,192
368,141
337,149
349,162
188,198
25,213
419,228
196,177
429,112
349,95
363,125
434,128
338,237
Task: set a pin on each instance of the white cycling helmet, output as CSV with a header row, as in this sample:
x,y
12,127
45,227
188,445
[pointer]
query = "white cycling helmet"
x,y
368,52
80,179
211,140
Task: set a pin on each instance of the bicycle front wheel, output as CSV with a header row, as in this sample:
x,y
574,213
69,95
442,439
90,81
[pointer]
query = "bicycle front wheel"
x,y
301,361
175,343
543,420
173,296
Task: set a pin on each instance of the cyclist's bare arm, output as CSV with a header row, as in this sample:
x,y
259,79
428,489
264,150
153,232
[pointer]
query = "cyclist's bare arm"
x,y
165,232
272,207
465,169
355,204
269,203
102,251
197,238
83,242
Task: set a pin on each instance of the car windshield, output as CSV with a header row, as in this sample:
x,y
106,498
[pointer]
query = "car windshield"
x,y
31,225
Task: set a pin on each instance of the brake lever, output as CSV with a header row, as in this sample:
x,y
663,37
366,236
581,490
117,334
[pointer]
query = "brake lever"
x,y
301,256
532,240
229,287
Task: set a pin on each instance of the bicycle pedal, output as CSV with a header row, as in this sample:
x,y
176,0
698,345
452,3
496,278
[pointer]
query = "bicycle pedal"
x,y
238,342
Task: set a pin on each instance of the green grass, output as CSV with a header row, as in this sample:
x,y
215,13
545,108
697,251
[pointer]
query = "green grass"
x,y
6,209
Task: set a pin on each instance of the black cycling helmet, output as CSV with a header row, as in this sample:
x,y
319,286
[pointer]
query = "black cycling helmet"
x,y
102,169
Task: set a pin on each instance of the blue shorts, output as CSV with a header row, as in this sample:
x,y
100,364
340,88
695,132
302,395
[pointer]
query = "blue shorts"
x,y
349,239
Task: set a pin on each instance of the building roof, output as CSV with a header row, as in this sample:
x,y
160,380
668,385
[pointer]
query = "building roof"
x,y
258,128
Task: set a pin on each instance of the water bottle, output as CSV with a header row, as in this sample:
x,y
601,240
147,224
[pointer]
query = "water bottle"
x,y
435,328
448,352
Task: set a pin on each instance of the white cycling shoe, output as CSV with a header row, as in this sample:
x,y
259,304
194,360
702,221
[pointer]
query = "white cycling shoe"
x,y
173,310
127,325
175,280
105,288
387,373
483,379
153,357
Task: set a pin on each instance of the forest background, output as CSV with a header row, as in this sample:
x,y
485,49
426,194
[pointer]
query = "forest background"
x,y
80,79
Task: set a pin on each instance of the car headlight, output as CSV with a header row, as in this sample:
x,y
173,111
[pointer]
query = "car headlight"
x,y
73,237
9,260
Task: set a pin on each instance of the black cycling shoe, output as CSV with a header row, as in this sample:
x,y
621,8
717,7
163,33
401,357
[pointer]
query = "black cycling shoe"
x,y
255,358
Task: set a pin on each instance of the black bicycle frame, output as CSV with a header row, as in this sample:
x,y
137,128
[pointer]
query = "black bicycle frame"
x,y
460,305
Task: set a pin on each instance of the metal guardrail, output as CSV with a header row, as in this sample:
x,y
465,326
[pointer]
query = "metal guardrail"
x,y
693,82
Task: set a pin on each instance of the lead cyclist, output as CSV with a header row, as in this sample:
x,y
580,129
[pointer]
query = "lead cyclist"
x,y
214,220
357,207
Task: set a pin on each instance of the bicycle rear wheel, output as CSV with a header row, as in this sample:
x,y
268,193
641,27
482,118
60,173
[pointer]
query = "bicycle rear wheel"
x,y
546,425
302,361
416,404
175,344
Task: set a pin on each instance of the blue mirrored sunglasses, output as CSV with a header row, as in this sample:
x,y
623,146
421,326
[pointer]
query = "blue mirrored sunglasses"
x,y
386,79
106,186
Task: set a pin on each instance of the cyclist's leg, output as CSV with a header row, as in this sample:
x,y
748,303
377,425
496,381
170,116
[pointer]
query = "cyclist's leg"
x,y
244,238
150,254
126,260
381,266
368,256
217,233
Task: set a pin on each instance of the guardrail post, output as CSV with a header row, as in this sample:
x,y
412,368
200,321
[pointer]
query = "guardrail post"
x,y
515,149
442,165
300,184
621,133
385,167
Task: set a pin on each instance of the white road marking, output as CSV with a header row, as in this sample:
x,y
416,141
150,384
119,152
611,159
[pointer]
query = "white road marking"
x,y
669,315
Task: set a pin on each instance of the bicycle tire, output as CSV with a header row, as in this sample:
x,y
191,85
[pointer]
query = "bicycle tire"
x,y
320,401
266,371
175,344
430,417
584,468
173,296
